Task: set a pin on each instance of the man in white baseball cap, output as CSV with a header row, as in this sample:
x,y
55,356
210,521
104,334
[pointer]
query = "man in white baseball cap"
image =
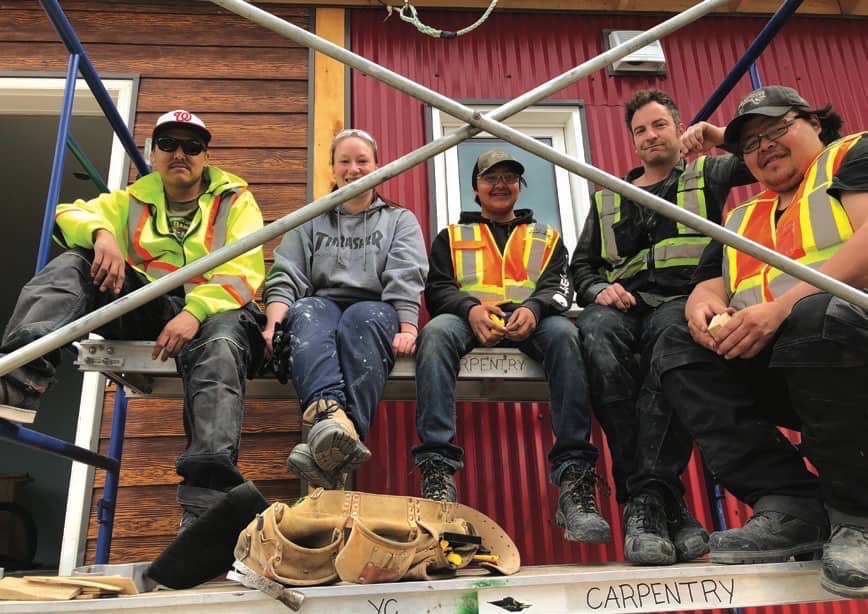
x,y
120,241
183,119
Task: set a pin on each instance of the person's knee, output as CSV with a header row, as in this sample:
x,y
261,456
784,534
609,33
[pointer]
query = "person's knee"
x,y
368,312
561,333
74,259
376,318
823,330
225,350
806,318
602,328
441,330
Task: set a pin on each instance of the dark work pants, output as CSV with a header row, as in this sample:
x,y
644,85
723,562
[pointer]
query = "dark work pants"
x,y
649,447
342,354
554,343
811,378
227,348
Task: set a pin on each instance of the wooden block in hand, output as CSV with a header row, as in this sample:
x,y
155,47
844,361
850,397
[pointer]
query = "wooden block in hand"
x,y
717,323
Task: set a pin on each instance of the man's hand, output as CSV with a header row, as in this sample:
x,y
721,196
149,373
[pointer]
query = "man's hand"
x,y
697,321
700,137
108,268
750,330
616,296
521,324
175,335
488,332
404,344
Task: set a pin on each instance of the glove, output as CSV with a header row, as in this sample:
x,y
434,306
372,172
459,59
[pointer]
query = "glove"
x,y
280,357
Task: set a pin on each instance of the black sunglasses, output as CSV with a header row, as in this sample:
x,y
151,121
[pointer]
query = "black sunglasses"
x,y
191,147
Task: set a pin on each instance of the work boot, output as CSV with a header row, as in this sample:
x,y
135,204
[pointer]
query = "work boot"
x,y
577,507
333,439
768,537
437,481
688,536
195,501
17,403
845,562
646,532
301,462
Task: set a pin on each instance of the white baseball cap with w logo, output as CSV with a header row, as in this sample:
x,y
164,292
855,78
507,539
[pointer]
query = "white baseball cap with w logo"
x,y
180,117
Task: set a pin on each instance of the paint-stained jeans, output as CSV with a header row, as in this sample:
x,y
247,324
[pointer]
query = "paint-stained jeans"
x,y
812,377
647,445
227,348
344,354
442,343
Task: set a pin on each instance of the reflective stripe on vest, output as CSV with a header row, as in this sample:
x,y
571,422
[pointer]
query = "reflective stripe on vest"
x,y
684,249
494,278
810,231
139,218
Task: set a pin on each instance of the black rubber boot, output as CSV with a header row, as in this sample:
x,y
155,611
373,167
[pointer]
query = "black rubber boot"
x,y
845,562
437,481
204,549
688,536
646,532
768,537
577,513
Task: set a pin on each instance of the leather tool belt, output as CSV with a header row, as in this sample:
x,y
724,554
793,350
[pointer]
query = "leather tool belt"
x,y
363,538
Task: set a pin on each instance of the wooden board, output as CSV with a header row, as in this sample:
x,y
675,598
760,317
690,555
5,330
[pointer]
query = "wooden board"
x,y
19,589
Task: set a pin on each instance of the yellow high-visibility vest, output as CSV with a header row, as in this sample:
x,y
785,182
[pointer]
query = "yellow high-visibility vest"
x,y
137,218
684,249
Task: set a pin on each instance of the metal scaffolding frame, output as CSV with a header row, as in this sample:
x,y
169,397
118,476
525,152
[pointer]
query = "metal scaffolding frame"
x,y
491,122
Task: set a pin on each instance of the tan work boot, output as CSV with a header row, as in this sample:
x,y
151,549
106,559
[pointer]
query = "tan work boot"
x,y
333,439
302,463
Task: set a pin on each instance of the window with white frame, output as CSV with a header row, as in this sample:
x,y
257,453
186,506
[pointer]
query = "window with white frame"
x,y
555,195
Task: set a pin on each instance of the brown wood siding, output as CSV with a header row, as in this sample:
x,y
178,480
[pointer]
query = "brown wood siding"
x,y
251,88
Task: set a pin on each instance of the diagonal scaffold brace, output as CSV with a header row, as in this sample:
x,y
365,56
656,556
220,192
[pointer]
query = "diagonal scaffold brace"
x,y
477,122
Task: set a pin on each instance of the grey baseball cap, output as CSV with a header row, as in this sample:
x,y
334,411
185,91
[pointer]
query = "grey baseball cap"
x,y
771,101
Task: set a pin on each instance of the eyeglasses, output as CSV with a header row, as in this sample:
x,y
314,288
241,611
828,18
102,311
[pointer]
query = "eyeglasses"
x,y
772,133
494,179
169,144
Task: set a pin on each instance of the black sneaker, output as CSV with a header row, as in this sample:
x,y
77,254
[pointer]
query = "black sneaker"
x,y
768,537
577,512
646,531
688,536
437,481
18,404
845,562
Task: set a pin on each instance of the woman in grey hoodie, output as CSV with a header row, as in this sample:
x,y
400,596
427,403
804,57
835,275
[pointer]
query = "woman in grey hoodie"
x,y
345,287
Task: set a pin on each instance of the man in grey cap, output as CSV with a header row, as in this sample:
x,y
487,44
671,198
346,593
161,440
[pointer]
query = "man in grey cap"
x,y
789,354
498,277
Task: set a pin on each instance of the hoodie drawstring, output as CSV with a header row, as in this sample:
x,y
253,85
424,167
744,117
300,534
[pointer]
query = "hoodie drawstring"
x,y
340,242
365,242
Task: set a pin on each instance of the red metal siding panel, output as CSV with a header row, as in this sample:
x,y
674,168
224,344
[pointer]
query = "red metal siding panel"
x,y
506,443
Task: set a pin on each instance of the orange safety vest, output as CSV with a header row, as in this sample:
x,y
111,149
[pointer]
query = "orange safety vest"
x,y
494,278
810,231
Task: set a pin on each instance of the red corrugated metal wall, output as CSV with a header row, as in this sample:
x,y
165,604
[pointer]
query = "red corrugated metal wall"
x,y
506,443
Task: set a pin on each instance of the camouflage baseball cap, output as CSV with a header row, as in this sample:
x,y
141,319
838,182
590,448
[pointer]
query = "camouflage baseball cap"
x,y
493,157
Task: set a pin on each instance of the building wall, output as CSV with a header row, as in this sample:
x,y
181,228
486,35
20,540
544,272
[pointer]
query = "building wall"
x,y
506,443
251,88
